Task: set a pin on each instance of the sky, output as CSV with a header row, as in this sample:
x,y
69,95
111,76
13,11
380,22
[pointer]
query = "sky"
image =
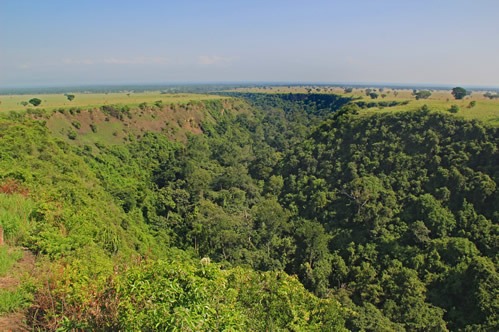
x,y
79,42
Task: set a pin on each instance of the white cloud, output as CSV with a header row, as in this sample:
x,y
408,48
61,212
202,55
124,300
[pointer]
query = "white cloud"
x,y
120,61
138,61
78,62
214,60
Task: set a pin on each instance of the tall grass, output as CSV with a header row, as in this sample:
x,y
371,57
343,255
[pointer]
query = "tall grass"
x,y
11,300
8,258
15,211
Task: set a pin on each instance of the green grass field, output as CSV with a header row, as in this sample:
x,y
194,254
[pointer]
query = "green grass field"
x,y
485,109
88,100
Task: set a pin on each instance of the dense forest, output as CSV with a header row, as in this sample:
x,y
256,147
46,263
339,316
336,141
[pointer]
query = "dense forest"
x,y
296,212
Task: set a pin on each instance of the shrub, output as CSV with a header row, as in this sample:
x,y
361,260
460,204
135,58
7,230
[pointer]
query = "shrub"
x,y
72,134
454,109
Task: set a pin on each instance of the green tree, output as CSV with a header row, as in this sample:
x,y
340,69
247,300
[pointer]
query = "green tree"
x,y
70,97
422,94
35,101
459,93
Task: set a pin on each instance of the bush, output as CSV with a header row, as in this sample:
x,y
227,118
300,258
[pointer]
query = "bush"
x,y
454,109
72,134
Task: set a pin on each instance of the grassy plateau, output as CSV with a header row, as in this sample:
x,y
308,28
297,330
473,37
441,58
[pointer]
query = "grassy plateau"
x,y
486,110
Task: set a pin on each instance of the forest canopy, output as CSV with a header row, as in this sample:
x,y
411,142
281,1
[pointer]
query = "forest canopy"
x,y
295,212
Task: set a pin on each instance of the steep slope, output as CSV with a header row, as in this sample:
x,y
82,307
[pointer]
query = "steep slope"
x,y
392,214
104,219
407,203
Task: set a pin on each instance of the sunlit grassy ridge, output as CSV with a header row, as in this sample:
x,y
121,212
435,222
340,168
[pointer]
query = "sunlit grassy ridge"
x,y
486,110
51,101
121,117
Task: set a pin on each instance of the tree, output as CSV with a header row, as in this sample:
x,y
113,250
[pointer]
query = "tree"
x,y
459,93
35,101
373,95
422,94
491,95
70,97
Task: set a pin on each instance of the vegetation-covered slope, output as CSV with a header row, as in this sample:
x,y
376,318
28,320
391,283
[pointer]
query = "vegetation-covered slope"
x,y
408,202
393,215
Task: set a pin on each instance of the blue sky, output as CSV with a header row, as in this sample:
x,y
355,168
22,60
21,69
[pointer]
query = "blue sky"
x,y
55,42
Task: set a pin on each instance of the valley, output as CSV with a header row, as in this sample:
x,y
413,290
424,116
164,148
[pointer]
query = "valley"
x,y
269,208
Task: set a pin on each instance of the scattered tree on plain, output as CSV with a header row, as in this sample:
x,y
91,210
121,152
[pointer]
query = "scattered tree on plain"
x,y
35,101
459,93
422,94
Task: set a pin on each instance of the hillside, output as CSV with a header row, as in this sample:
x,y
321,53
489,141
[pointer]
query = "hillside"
x,y
477,105
256,212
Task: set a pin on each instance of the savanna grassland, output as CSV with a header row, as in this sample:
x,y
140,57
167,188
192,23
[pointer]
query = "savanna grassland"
x,y
485,109
89,100
262,209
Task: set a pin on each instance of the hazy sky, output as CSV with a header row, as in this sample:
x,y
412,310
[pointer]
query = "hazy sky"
x,y
56,42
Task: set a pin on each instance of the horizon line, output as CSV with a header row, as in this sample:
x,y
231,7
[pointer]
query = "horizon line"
x,y
440,86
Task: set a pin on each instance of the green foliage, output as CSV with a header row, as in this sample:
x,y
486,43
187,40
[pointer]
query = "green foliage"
x,y
384,200
76,124
12,300
35,101
15,216
392,215
380,104
180,294
72,134
491,95
422,94
459,93
8,258
454,109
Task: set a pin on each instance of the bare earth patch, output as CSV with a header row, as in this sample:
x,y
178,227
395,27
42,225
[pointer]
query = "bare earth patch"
x,y
13,322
